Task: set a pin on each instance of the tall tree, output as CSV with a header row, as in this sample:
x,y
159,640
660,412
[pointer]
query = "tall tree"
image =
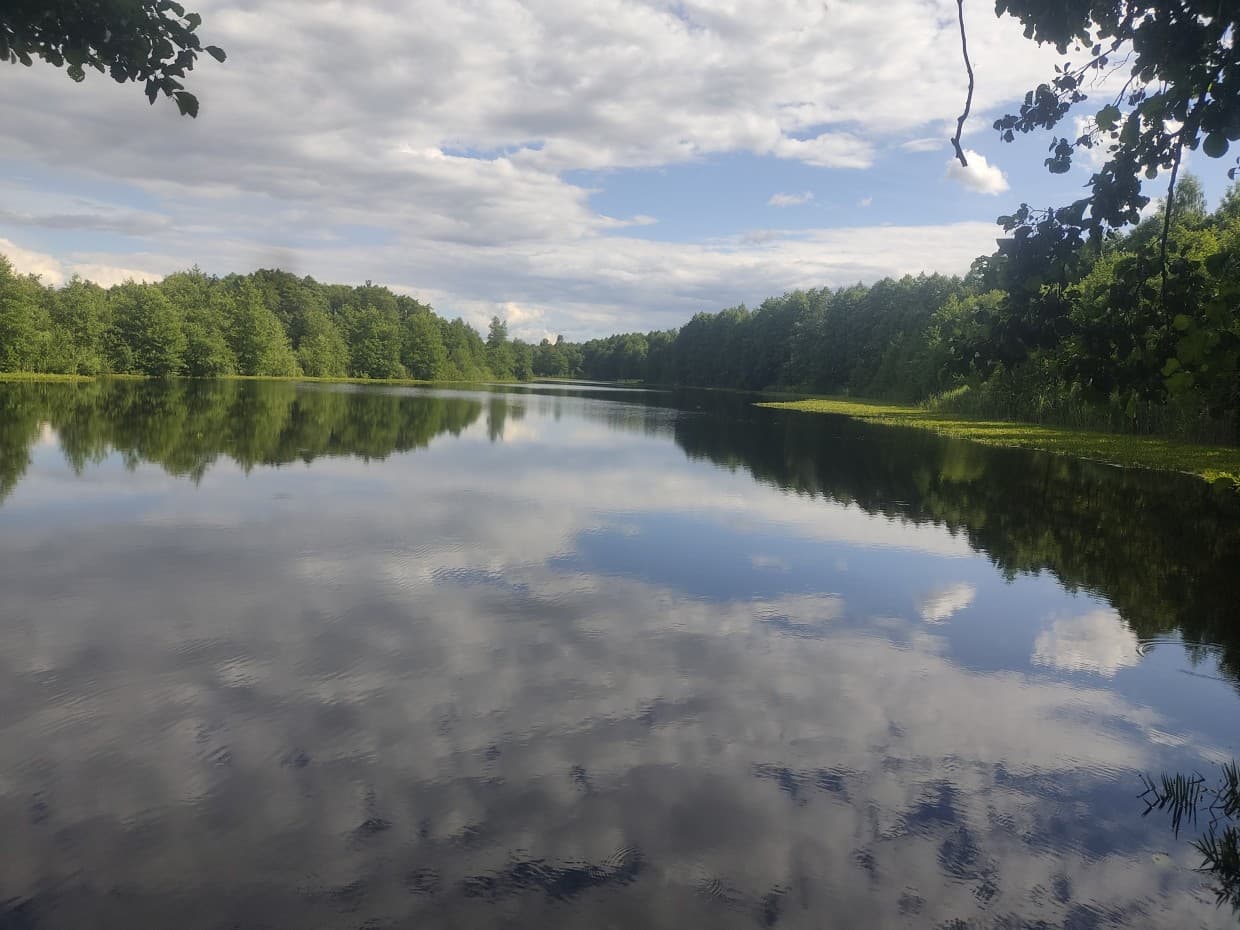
x,y
424,354
323,353
499,350
146,336
256,337
79,309
375,341
24,322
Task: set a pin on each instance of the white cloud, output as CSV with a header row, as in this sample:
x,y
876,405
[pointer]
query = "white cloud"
x,y
1098,641
929,144
1090,159
829,150
26,261
452,134
865,201
54,271
940,604
980,176
790,200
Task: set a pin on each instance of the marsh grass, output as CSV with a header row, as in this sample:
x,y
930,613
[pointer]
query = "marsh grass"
x,y
1219,464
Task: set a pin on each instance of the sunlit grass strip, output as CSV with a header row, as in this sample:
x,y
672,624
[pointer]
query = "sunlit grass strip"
x,y
1214,463
40,376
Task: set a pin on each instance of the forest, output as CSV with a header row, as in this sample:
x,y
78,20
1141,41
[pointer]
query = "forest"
x,y
267,324
1112,338
1102,340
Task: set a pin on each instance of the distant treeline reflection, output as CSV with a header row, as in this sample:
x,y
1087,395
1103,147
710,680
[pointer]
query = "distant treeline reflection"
x,y
1162,549
185,426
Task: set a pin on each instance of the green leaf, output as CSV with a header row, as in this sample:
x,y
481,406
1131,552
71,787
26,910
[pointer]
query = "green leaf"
x,y
1107,117
1182,322
1179,382
1172,366
216,52
187,103
194,21
1216,145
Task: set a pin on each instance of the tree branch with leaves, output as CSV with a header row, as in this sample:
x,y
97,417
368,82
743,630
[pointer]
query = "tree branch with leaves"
x,y
1182,93
152,42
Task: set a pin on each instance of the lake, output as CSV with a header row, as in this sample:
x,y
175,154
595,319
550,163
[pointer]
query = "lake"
x,y
328,656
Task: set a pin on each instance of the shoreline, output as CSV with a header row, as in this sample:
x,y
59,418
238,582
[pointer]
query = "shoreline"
x,y
1219,465
42,376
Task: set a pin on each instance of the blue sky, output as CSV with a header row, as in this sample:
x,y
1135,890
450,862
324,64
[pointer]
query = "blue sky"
x,y
576,169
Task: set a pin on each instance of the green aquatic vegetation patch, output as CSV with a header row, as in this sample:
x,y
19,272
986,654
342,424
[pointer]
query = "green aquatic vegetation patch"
x,y
1219,464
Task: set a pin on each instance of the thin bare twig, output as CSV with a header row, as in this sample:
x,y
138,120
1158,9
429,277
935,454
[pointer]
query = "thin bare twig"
x,y
1170,205
968,102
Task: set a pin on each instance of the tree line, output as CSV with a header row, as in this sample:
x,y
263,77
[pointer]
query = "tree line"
x,y
1110,336
1103,338
268,323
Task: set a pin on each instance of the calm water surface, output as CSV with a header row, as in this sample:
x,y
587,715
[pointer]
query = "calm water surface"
x,y
338,657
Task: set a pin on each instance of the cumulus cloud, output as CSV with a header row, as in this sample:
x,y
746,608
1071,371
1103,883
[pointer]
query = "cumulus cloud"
x,y
981,176
940,604
27,261
1098,641
55,271
790,200
458,131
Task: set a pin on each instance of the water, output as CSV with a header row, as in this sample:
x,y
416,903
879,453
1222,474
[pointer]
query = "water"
x,y
334,657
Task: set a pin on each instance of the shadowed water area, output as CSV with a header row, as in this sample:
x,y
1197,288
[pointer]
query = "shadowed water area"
x,y
278,655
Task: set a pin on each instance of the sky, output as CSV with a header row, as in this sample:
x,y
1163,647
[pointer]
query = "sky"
x,y
577,169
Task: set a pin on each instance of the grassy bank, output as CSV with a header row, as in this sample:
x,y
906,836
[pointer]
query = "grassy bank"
x,y
1214,463
411,382
40,376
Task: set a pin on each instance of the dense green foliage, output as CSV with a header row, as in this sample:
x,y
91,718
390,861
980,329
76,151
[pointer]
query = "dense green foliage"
x,y
149,41
1182,93
269,324
1104,344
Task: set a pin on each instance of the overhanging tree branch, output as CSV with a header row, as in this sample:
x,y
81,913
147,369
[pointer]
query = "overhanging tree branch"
x,y
1170,205
968,102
